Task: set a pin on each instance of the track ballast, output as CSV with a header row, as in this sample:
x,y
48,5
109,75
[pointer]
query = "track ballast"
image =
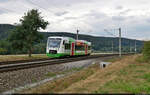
x,y
25,65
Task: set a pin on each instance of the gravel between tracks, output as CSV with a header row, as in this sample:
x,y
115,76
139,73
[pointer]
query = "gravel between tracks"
x,y
14,79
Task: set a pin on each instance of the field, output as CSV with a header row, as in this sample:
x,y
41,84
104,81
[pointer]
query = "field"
x,y
125,75
4,58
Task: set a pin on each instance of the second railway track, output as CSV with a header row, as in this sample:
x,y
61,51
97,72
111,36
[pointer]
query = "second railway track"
x,y
25,65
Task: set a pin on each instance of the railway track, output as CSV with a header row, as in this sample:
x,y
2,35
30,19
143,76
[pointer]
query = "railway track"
x,y
25,65
23,61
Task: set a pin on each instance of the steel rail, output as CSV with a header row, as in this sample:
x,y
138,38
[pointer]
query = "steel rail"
x,y
26,65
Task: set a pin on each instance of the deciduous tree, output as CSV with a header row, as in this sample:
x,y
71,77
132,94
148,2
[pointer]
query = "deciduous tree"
x,y
27,33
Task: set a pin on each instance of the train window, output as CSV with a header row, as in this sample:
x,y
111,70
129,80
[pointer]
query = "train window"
x,y
67,46
63,42
89,47
80,48
54,42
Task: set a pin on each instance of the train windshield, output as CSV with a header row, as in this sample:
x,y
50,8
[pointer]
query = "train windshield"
x,y
54,42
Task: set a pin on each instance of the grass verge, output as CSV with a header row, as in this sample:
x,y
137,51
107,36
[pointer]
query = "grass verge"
x,y
134,78
125,75
5,58
114,59
52,74
63,83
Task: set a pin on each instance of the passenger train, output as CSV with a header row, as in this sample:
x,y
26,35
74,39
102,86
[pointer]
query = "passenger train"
x,y
66,46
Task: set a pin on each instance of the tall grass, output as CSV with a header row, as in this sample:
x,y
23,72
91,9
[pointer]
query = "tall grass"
x,y
146,51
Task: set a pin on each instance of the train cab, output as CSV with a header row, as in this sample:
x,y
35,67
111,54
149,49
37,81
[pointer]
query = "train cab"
x,y
58,46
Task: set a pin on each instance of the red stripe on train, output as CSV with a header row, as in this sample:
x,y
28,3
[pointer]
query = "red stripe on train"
x,y
86,48
72,48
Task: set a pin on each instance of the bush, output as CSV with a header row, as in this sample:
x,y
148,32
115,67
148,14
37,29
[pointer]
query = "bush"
x,y
146,51
3,51
39,48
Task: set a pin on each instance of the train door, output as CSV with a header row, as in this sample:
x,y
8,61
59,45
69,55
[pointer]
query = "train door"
x,y
86,48
72,48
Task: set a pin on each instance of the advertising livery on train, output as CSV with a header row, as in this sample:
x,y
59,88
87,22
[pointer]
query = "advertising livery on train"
x,y
66,46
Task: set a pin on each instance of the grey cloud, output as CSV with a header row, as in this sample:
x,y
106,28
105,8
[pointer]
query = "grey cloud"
x,y
148,20
96,14
119,7
61,13
68,5
94,20
3,10
60,3
118,18
142,27
124,12
2,1
68,1
139,31
68,18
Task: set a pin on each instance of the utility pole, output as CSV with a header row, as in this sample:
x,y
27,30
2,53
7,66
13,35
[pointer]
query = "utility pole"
x,y
120,42
77,34
135,47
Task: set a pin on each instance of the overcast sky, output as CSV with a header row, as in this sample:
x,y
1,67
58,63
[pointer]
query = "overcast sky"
x,y
89,16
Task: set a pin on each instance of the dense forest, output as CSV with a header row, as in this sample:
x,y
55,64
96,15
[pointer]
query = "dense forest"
x,y
103,44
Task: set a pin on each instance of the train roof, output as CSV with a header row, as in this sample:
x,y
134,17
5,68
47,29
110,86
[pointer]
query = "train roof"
x,y
69,38
84,41
57,37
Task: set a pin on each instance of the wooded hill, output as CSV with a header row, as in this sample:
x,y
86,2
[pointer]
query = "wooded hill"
x,y
103,44
4,29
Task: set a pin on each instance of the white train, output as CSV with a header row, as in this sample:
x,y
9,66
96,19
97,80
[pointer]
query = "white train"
x,y
66,46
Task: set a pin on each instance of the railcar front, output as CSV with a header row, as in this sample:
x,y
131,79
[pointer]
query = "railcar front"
x,y
54,47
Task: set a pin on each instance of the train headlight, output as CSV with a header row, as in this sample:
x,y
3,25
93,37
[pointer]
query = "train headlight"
x,y
53,51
